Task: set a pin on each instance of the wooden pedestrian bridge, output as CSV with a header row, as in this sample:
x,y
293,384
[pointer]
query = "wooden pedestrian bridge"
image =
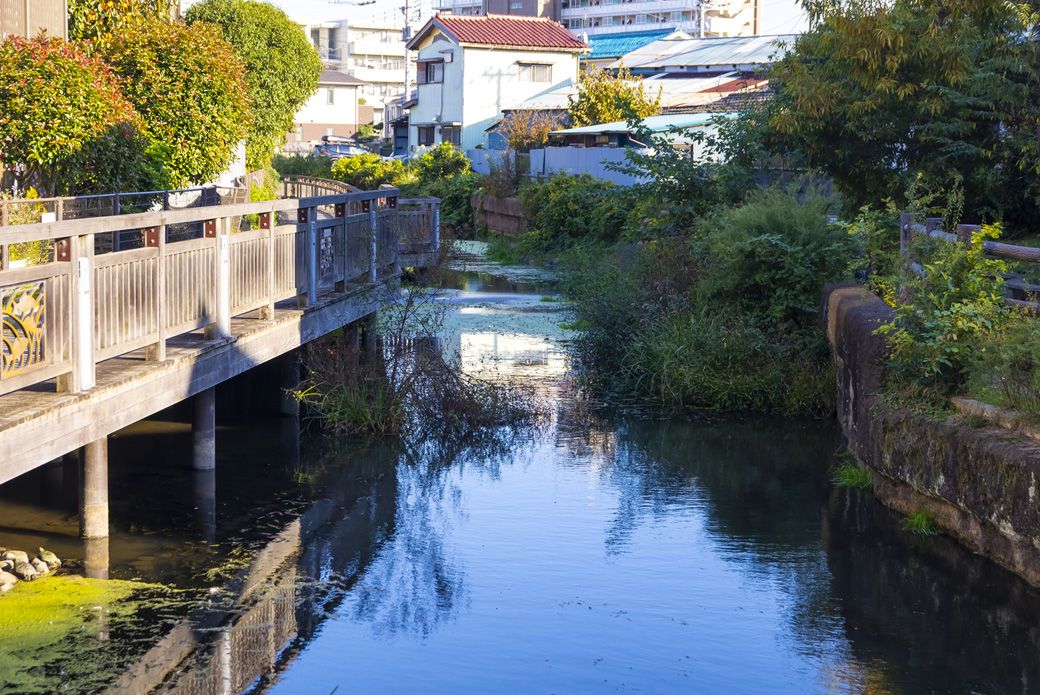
x,y
97,339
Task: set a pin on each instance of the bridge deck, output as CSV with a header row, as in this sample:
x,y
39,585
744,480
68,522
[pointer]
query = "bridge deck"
x,y
95,340
40,424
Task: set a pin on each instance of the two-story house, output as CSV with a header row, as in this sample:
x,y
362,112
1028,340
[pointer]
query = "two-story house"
x,y
334,109
471,69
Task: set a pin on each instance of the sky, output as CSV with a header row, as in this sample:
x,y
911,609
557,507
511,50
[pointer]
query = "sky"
x,y
778,16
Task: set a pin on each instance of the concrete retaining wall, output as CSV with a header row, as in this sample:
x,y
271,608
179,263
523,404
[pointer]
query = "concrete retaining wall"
x,y
499,215
979,483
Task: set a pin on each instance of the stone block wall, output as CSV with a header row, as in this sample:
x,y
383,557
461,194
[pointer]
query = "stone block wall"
x,y
979,483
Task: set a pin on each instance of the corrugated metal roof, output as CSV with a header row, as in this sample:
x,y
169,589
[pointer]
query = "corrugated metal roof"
x,y
655,124
617,45
502,30
670,54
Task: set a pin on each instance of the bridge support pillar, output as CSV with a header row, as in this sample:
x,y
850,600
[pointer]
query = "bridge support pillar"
x,y
93,512
368,335
204,489
95,558
289,381
204,431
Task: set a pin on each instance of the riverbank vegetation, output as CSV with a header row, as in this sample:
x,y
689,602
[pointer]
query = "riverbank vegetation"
x,y
397,381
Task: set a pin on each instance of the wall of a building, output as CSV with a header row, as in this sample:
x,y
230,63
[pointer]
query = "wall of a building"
x,y
318,117
492,84
550,9
30,17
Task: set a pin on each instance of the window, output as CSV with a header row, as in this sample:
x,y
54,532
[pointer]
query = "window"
x,y
535,72
516,5
425,135
430,71
330,96
452,134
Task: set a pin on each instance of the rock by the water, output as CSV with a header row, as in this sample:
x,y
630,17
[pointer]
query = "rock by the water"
x,y
7,582
6,565
50,558
40,566
23,570
17,556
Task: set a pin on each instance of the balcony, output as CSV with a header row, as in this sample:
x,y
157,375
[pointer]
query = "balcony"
x,y
369,47
609,9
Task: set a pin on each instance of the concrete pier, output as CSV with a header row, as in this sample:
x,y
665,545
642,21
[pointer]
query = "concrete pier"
x,y
204,492
289,380
204,431
93,514
95,558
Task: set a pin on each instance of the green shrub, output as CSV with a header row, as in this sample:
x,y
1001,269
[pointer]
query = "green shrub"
x,y
944,315
565,208
454,193
441,162
876,263
303,165
189,86
282,67
368,171
66,121
1006,370
772,255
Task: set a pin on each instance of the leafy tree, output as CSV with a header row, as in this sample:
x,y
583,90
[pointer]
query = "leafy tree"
x,y
282,67
65,121
605,98
187,83
879,92
528,129
99,21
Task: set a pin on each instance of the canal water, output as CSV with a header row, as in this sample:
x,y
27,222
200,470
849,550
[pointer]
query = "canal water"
x,y
591,552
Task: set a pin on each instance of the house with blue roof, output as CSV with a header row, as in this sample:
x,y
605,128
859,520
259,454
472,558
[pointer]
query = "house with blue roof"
x,y
604,49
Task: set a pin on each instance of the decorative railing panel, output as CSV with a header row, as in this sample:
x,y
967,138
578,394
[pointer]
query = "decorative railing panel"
x,y
186,271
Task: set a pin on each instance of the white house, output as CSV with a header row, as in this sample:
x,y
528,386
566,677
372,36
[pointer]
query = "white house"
x,y
333,109
471,69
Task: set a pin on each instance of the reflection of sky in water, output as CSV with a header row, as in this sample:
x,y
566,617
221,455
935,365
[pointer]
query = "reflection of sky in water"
x,y
613,555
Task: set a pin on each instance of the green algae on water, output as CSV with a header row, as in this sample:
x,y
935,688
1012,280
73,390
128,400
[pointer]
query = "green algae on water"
x,y
58,621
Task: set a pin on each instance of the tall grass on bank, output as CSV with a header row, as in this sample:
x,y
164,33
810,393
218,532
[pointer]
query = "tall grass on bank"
x,y
405,385
721,319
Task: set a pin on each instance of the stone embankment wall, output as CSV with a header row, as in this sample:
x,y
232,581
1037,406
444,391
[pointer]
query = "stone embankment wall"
x,y
981,484
499,215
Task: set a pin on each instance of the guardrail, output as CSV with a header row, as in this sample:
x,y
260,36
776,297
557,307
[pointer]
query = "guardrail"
x,y
1020,292
62,317
312,186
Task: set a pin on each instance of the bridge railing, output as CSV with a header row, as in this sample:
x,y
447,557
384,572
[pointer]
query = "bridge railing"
x,y
82,306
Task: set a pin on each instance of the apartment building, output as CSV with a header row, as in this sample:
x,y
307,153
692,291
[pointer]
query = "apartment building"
x,y
705,18
549,9
373,51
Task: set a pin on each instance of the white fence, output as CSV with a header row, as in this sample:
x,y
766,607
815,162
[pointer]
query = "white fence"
x,y
594,161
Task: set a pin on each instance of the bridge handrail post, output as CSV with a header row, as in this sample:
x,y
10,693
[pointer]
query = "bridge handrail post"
x,y
373,228
157,237
312,256
269,222
435,204
83,376
224,277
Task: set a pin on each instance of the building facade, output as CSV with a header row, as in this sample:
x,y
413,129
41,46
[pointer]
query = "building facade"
x,y
30,17
697,18
471,69
372,51
334,109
